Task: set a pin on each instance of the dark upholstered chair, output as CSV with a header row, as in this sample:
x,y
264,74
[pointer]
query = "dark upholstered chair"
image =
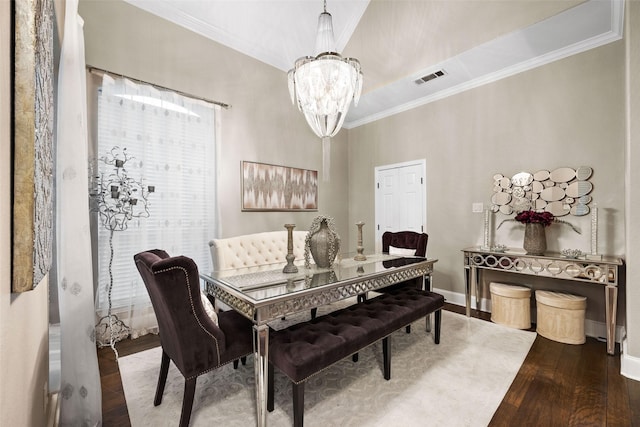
x,y
403,240
189,337
406,240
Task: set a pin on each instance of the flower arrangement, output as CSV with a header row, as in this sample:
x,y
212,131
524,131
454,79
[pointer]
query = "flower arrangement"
x,y
533,217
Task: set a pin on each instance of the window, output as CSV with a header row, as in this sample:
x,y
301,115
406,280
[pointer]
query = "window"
x,y
172,140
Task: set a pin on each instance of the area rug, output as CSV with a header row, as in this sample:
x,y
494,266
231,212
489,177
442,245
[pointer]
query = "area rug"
x,y
459,382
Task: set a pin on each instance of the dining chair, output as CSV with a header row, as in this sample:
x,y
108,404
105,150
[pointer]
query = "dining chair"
x,y
190,338
408,243
403,242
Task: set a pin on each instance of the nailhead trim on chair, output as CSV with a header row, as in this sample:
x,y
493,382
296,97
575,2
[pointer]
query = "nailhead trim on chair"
x,y
193,311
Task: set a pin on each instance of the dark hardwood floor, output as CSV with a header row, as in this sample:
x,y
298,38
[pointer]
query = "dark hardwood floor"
x,y
557,385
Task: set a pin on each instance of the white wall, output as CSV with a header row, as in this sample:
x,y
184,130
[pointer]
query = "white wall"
x,y
24,342
568,113
631,358
261,126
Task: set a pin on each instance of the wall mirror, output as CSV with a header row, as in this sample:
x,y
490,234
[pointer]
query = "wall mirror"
x,y
562,191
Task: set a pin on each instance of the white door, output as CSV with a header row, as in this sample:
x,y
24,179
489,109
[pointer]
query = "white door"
x,y
400,198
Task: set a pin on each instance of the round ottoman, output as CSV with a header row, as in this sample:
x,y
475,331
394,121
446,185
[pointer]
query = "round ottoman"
x,y
510,305
561,316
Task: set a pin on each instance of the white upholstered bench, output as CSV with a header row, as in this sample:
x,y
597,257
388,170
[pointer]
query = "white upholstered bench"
x,y
255,249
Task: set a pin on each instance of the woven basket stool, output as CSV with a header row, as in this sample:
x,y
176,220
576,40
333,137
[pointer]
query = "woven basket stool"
x,y
561,316
510,305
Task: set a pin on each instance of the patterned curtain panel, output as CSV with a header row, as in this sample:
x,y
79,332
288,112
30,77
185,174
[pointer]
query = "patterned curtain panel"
x,y
80,392
167,143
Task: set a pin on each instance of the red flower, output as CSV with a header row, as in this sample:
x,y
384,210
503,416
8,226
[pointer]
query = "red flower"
x,y
533,217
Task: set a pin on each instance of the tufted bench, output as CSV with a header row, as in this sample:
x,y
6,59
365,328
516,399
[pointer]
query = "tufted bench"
x,y
255,249
304,349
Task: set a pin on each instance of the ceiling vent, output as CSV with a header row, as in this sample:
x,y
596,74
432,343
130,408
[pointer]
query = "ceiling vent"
x,y
429,77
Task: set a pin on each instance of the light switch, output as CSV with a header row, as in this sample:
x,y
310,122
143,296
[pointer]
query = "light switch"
x,y
477,207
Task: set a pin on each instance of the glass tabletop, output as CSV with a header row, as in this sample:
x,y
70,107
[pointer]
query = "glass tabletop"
x,y
263,282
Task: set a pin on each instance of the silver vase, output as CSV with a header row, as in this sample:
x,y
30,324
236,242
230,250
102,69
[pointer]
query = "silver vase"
x,y
535,240
324,245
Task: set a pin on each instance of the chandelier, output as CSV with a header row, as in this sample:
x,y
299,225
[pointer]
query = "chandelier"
x,y
323,86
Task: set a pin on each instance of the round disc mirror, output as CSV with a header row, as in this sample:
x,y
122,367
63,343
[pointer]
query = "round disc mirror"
x,y
537,187
501,198
518,192
562,175
552,194
583,172
579,188
542,175
558,208
580,210
521,179
585,200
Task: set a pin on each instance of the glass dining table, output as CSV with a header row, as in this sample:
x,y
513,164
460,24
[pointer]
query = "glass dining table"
x,y
264,294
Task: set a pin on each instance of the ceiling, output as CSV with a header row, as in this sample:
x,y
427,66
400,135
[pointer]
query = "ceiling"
x,y
473,42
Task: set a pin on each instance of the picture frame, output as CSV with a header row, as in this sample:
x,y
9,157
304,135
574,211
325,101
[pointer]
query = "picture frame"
x,y
32,143
267,187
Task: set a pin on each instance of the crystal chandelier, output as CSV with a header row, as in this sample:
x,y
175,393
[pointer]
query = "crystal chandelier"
x,y
323,86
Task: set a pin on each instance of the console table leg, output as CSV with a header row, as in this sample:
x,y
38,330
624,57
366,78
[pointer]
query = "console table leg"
x,y
611,302
467,290
260,364
476,285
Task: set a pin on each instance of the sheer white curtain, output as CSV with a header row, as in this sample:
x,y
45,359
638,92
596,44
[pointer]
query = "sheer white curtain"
x,y
173,140
81,401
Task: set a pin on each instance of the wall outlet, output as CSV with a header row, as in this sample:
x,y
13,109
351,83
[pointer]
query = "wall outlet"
x,y
477,207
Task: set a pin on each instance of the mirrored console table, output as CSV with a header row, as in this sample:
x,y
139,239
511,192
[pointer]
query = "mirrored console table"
x,y
604,272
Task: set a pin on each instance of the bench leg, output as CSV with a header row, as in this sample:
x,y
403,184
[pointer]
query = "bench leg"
x,y
298,403
436,327
314,312
270,388
386,357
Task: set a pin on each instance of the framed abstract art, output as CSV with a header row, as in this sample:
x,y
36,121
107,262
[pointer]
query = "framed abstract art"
x,y
268,187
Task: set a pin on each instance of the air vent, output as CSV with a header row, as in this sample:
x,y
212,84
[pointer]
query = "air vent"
x,y
431,76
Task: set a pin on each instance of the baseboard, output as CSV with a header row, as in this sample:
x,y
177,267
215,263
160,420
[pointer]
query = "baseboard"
x,y
592,328
629,365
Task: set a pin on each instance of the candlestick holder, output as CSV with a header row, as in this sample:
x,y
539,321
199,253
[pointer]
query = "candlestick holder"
x,y
486,244
360,256
290,257
594,234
